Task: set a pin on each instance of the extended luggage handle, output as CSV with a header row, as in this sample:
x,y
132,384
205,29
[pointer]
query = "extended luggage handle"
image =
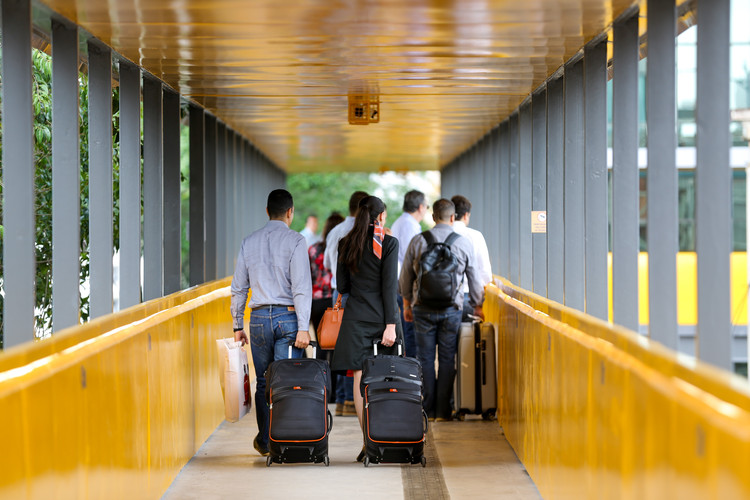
x,y
313,343
376,342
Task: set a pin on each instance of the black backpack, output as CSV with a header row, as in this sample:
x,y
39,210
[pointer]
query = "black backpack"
x,y
437,278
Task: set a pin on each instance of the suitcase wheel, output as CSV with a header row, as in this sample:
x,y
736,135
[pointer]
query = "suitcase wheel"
x,y
460,416
268,461
424,461
367,461
326,461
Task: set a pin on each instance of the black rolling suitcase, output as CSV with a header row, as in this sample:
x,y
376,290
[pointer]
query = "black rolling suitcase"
x,y
297,391
394,423
475,390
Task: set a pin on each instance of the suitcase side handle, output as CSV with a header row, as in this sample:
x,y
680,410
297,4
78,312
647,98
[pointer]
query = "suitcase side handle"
x,y
313,343
376,342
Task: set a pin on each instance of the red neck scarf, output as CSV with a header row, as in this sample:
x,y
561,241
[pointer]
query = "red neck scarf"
x,y
377,239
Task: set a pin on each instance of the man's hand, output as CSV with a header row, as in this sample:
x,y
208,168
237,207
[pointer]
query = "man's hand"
x,y
408,315
389,335
240,336
479,312
303,339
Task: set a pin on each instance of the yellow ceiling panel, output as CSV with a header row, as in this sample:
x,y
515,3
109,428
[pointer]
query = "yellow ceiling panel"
x,y
445,71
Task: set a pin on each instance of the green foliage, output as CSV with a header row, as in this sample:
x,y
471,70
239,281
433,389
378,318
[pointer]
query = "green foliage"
x,y
42,108
321,194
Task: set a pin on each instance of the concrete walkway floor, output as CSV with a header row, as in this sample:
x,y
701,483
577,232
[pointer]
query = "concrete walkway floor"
x,y
465,460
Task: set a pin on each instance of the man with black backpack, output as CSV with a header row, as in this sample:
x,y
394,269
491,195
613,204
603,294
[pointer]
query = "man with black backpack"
x,y
431,282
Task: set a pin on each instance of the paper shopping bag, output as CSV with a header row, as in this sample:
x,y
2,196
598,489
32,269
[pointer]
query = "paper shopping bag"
x,y
234,379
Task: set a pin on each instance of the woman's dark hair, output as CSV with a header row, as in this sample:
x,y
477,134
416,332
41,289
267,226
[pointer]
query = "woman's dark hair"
x,y
354,243
332,221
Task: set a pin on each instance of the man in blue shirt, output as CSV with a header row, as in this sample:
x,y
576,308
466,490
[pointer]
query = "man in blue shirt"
x,y
404,229
274,264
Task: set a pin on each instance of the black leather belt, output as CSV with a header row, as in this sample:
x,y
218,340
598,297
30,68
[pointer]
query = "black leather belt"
x,y
274,306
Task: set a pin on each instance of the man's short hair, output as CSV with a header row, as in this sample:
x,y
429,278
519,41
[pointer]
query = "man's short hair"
x,y
311,216
463,205
354,200
279,201
443,209
412,200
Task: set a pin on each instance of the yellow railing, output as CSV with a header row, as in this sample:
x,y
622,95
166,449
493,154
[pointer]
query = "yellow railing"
x,y
113,408
597,411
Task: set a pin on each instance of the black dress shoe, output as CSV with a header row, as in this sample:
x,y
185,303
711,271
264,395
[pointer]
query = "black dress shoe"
x,y
361,455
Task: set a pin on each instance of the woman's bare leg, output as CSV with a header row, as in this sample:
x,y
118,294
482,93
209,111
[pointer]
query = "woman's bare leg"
x,y
358,403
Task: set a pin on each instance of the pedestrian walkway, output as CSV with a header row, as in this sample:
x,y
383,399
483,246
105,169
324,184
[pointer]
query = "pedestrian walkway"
x,y
465,460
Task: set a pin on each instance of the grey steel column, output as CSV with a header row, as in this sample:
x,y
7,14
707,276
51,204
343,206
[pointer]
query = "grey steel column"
x,y
171,200
493,185
597,225
18,174
573,195
210,198
539,187
130,185
555,181
66,177
504,186
713,214
515,203
197,210
231,183
625,237
490,195
240,191
662,173
237,205
100,178
153,208
221,201
524,197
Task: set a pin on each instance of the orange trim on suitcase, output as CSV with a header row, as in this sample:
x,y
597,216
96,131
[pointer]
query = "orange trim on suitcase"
x,y
368,425
325,425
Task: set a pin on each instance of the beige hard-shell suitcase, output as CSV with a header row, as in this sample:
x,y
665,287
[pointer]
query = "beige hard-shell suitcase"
x,y
475,390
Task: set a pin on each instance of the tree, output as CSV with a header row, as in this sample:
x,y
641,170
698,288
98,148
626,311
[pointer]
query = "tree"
x,y
321,194
42,108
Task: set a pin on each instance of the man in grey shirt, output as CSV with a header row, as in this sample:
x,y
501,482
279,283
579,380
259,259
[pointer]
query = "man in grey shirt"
x,y
437,327
273,263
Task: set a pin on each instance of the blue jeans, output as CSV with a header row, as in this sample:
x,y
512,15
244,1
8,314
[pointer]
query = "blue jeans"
x,y
410,341
437,328
271,331
344,384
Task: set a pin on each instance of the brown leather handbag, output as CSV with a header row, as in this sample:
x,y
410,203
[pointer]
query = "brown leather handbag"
x,y
328,330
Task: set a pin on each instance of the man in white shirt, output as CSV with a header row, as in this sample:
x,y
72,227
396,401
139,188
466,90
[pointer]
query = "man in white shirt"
x,y
404,229
481,252
311,227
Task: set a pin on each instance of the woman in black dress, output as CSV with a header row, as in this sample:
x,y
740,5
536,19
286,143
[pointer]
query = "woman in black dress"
x,y
368,271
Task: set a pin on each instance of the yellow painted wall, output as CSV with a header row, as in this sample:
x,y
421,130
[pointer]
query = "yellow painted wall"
x,y
596,411
114,408
687,288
